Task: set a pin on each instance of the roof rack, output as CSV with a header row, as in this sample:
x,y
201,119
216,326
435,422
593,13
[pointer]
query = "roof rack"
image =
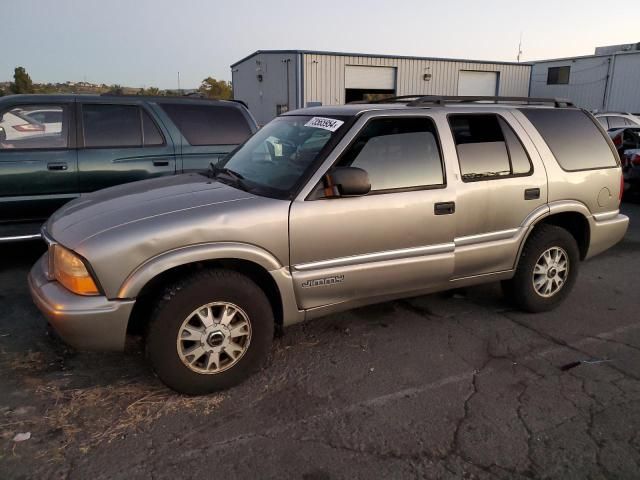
x,y
420,100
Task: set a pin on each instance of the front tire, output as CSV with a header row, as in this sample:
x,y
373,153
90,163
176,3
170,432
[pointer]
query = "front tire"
x,y
546,271
209,331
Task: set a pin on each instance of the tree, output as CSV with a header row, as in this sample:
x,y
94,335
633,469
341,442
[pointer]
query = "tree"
x,y
21,81
116,90
1,92
151,91
218,89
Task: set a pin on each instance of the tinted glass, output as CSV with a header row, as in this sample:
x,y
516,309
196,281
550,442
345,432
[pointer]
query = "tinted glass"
x,y
151,134
22,129
573,137
209,124
520,162
397,153
111,126
482,150
558,75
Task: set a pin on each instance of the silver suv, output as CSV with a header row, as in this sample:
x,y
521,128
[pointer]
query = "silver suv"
x,y
326,209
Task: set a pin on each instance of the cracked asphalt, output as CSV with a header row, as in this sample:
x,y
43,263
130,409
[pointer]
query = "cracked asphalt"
x,y
453,385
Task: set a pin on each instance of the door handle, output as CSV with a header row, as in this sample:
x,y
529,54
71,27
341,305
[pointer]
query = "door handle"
x,y
57,166
532,194
444,208
161,163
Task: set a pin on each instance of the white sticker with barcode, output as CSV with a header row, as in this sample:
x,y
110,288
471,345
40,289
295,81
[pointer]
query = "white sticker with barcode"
x,y
330,124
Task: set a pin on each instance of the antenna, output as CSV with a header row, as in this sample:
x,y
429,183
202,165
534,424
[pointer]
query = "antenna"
x,y
519,48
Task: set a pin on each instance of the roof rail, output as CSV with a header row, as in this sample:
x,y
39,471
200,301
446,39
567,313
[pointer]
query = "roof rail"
x,y
420,100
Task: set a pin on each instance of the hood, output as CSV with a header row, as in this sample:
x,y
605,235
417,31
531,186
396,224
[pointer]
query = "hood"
x,y
98,212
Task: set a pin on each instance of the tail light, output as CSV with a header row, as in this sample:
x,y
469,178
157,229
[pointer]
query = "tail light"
x,y
29,127
621,188
617,140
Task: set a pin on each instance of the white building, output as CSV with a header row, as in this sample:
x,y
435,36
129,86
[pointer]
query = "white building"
x,y
606,81
274,81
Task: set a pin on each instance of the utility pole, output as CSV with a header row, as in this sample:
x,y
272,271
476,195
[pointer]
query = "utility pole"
x,y
179,89
519,48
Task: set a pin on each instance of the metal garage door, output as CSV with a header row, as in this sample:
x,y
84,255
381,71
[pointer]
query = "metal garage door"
x,y
378,78
472,82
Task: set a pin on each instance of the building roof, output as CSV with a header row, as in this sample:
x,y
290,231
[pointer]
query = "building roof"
x,y
580,57
349,54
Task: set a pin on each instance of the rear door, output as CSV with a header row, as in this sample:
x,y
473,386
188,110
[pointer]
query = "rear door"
x,y
503,181
121,143
38,167
209,130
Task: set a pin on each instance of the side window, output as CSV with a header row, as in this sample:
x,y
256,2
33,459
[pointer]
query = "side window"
x,y
520,161
151,136
111,126
617,122
603,121
34,127
209,124
487,147
397,153
573,137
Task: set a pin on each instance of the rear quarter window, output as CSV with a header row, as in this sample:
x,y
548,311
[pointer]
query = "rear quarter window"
x,y
575,140
209,124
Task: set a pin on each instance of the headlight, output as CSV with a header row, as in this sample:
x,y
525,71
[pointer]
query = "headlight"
x,y
71,272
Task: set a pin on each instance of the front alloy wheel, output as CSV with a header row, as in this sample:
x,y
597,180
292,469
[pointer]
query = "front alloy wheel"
x,y
214,337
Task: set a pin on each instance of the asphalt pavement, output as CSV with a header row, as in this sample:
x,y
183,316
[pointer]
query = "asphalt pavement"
x,y
453,385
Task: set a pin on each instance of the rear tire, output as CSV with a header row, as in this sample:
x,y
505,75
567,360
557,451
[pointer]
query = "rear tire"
x,y
546,271
221,316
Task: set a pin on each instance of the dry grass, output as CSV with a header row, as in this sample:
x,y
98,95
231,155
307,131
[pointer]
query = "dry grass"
x,y
83,418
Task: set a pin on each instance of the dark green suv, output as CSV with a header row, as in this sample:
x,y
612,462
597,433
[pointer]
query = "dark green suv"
x,y
54,148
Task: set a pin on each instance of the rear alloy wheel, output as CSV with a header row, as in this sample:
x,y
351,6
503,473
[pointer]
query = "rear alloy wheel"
x,y
546,271
210,331
550,272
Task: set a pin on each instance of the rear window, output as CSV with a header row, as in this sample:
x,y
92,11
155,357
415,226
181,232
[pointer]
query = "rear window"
x,y
575,140
209,124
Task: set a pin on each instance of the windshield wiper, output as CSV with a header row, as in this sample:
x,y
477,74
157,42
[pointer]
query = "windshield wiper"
x,y
215,171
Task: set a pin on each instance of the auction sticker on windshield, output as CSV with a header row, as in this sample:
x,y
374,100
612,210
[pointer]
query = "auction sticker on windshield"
x,y
326,123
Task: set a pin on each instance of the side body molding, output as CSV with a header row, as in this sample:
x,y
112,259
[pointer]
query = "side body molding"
x,y
137,279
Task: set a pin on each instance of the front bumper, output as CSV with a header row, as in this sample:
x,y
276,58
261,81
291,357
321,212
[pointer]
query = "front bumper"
x,y
86,323
606,230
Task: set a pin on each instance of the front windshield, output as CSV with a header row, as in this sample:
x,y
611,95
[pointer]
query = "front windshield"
x,y
280,153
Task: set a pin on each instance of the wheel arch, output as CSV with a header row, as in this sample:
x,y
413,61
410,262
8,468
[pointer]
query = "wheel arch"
x,y
572,216
148,280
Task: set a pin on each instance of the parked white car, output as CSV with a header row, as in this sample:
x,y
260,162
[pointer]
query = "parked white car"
x,y
618,120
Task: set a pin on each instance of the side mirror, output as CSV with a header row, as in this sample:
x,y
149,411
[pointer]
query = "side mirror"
x,y
346,182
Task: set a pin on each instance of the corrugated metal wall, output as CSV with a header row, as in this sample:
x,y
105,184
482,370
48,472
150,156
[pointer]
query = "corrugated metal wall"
x,y
587,86
324,76
624,94
264,96
587,81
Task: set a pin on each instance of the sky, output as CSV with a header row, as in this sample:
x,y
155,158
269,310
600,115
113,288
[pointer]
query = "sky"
x,y
142,43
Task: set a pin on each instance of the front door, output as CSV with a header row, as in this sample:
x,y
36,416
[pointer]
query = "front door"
x,y
119,144
396,239
38,162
